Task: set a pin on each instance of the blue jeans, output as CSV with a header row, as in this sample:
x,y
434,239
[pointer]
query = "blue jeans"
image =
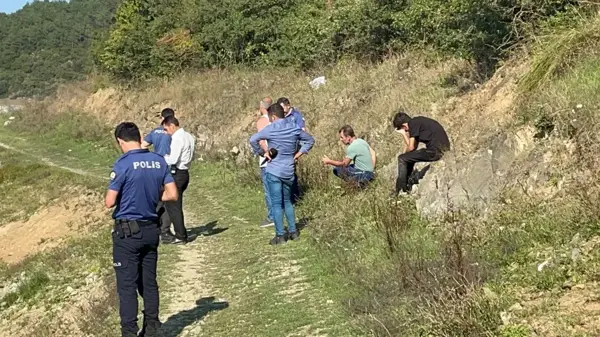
x,y
263,174
352,174
280,191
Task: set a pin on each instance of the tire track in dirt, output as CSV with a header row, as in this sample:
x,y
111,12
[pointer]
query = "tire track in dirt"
x,y
51,163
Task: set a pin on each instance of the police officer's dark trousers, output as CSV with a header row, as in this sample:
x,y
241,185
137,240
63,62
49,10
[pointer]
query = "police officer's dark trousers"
x,y
406,165
174,209
134,259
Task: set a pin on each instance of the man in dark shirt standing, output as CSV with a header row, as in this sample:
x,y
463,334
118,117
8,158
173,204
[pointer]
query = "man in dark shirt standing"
x,y
418,130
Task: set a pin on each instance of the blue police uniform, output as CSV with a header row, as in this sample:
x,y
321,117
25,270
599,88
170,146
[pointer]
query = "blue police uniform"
x,y
160,139
138,176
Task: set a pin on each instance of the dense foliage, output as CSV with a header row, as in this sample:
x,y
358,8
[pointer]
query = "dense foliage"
x,y
47,43
161,37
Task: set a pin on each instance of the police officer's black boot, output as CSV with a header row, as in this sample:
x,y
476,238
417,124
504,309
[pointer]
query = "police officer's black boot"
x,y
128,333
150,328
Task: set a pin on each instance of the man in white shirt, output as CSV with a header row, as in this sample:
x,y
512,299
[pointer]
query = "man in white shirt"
x,y
179,160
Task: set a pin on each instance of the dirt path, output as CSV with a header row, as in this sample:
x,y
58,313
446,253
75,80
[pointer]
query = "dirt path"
x,y
190,297
51,163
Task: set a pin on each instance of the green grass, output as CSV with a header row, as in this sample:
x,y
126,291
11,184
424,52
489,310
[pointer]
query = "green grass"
x,y
273,291
28,289
560,49
43,279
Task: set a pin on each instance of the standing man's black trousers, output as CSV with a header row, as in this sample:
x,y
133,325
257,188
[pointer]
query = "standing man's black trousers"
x,y
406,165
172,211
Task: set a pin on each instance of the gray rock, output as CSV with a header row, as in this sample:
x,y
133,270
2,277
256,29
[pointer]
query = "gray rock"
x,y
575,254
505,317
472,180
516,307
91,278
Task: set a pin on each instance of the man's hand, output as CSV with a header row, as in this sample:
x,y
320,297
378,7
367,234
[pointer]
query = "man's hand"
x,y
298,155
268,156
326,160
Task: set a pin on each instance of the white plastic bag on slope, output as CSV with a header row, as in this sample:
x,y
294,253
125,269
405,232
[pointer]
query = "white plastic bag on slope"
x,y
317,82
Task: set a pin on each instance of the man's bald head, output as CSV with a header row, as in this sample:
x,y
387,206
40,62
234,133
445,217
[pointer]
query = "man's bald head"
x,y
265,104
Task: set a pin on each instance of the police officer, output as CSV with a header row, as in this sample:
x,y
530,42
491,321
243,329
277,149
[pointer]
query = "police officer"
x,y
159,138
139,180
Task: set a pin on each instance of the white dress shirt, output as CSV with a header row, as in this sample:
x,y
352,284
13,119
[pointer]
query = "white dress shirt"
x,y
261,159
182,150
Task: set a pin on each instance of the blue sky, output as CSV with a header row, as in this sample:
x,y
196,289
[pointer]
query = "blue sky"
x,y
9,6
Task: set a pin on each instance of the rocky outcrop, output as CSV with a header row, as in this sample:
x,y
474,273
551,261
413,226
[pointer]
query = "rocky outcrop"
x,y
473,180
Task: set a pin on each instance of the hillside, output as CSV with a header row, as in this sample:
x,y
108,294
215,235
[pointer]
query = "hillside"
x,y
500,237
49,43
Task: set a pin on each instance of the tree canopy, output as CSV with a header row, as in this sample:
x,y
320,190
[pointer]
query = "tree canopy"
x,y
49,42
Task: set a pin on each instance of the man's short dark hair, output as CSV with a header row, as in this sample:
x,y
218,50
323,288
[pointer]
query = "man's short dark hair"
x,y
399,119
347,131
284,101
276,110
168,112
128,132
171,120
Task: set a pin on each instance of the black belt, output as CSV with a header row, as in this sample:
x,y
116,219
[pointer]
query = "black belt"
x,y
174,169
124,227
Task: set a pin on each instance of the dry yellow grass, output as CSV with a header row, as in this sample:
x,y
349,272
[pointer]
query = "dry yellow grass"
x,y
220,106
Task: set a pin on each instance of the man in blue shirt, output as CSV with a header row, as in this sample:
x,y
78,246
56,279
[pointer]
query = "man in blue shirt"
x,y
292,113
158,137
296,117
139,180
282,135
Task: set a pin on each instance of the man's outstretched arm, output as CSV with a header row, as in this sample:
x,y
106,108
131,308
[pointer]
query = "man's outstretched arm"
x,y
147,141
261,124
337,163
